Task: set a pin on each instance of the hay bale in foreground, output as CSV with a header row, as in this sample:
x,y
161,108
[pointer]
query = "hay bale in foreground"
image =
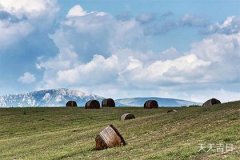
x,y
71,104
109,102
211,102
151,104
171,110
108,138
127,116
92,104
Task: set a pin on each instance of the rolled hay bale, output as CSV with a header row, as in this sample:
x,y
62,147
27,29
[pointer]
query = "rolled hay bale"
x,y
71,104
127,116
211,102
151,104
108,138
109,102
92,104
171,110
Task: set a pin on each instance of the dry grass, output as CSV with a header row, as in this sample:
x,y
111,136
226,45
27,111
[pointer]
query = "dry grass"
x,y
69,133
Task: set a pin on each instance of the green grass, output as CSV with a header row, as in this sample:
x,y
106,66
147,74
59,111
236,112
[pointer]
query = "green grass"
x,y
69,133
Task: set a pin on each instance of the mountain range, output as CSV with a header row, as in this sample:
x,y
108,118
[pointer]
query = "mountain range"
x,y
59,97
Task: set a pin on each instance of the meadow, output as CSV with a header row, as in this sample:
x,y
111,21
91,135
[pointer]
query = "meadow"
x,y
69,133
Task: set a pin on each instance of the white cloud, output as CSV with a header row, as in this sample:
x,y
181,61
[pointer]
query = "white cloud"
x,y
207,62
192,20
180,70
66,59
98,71
30,9
230,25
27,78
224,52
20,18
92,73
99,52
76,11
11,32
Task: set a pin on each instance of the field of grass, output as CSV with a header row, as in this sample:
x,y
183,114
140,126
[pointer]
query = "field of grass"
x,y
69,133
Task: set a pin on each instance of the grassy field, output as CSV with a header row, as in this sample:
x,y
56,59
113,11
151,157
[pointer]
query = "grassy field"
x,y
69,133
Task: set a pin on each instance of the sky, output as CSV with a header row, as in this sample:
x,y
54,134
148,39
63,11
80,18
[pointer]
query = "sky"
x,y
186,49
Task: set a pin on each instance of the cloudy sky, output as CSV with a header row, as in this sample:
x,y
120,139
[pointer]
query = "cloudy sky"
x,y
188,50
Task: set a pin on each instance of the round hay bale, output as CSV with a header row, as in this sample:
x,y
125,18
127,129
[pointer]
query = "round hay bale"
x,y
127,116
71,104
92,104
171,110
151,104
211,102
109,102
108,138
100,144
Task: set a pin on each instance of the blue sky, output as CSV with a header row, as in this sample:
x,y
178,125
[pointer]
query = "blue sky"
x,y
167,48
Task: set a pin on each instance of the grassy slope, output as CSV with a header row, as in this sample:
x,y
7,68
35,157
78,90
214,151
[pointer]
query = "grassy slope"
x,y
65,133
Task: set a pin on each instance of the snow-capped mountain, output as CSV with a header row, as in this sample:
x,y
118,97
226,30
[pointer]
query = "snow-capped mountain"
x,y
59,97
163,102
49,98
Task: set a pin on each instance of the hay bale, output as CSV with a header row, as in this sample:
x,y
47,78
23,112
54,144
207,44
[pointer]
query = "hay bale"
x,y
127,116
108,138
100,144
171,110
151,104
211,102
109,102
92,104
71,104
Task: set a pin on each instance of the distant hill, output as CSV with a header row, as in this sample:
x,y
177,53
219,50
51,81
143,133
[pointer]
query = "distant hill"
x,y
59,97
49,98
165,102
